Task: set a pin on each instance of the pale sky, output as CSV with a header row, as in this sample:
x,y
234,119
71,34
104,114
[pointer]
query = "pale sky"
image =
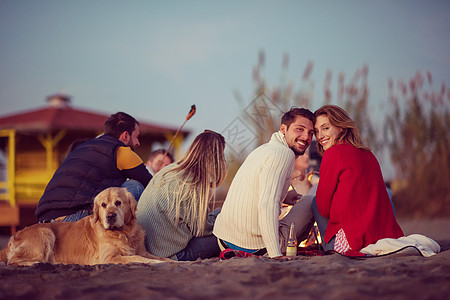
x,y
154,59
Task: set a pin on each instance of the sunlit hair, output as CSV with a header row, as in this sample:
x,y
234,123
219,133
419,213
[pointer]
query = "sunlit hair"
x,y
119,123
341,120
202,170
290,116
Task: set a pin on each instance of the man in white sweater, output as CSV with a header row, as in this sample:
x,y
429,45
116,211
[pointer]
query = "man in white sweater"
x,y
249,220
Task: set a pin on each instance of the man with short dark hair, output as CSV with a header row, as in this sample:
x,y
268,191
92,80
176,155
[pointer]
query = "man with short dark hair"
x,y
249,220
106,161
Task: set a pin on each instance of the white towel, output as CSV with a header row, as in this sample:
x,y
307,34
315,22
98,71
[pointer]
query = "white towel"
x,y
425,245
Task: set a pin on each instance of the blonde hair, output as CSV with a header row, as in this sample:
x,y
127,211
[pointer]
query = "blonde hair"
x,y
202,169
341,120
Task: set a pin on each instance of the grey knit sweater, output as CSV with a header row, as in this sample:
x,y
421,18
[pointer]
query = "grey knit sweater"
x,y
163,238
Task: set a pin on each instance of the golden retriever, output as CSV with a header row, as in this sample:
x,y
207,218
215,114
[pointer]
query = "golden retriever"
x,y
109,235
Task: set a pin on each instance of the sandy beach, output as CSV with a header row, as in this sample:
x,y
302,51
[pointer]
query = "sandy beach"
x,y
405,275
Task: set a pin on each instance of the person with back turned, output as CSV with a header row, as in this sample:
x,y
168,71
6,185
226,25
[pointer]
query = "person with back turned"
x,y
106,161
249,220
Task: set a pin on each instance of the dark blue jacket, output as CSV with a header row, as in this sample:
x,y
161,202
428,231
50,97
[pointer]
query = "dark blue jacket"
x,y
86,171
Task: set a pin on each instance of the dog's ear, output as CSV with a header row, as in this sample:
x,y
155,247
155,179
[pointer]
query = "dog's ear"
x,y
133,204
95,211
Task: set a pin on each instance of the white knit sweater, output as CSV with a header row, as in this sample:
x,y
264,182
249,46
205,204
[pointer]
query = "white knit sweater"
x,y
249,216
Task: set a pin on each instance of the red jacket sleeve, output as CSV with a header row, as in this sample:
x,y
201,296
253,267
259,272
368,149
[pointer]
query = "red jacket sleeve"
x,y
330,170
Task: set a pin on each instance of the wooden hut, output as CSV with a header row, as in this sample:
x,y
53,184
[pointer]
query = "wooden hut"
x,y
34,143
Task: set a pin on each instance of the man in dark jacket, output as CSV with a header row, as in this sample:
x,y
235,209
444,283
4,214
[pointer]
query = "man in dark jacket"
x,y
106,161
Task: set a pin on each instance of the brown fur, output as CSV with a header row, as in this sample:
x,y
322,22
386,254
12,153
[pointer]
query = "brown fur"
x,y
89,241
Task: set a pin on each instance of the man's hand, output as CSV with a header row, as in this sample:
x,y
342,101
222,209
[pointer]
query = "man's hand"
x,y
291,197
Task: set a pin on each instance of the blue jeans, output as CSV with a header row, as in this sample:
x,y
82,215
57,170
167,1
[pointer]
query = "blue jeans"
x,y
322,223
76,216
134,187
200,247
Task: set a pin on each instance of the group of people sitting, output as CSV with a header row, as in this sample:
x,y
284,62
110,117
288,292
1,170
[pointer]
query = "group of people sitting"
x,y
351,205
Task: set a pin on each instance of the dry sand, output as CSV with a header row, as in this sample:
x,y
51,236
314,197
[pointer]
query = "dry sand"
x,y
405,275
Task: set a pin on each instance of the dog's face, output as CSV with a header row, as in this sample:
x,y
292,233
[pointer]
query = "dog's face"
x,y
114,207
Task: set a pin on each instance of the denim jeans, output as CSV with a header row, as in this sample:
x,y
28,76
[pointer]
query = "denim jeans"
x,y
76,216
322,223
134,187
200,247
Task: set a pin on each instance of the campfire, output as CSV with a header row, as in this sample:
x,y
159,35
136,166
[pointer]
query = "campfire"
x,y
313,237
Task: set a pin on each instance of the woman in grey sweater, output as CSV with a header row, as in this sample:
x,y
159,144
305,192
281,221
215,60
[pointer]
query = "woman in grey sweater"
x,y
174,207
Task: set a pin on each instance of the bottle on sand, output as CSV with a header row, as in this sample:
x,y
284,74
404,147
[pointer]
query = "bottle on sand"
x,y
291,247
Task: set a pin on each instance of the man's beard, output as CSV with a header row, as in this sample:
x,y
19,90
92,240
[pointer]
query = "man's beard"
x,y
298,152
130,144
